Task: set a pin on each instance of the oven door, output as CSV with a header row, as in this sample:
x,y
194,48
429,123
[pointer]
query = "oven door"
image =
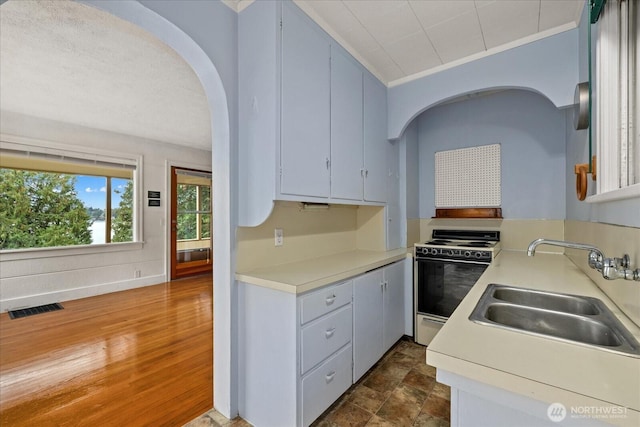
x,y
441,285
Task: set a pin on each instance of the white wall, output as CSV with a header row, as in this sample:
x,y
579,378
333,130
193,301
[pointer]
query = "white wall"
x,y
531,131
44,276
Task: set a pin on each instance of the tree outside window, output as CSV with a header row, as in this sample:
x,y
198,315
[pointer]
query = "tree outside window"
x,y
194,212
55,197
41,209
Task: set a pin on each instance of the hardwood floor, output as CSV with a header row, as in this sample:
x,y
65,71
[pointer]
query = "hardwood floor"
x,y
142,357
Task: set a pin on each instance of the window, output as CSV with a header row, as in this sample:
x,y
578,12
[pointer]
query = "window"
x,y
194,212
57,198
617,96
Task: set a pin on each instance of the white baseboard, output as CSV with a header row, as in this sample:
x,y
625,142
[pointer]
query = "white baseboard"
x,y
78,293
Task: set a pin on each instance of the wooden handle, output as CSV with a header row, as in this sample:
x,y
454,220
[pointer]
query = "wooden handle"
x,y
581,171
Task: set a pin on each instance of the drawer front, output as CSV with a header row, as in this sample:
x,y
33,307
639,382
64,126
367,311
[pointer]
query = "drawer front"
x,y
325,300
325,336
325,385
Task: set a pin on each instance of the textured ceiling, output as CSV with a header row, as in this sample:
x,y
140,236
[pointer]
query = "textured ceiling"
x,y
72,63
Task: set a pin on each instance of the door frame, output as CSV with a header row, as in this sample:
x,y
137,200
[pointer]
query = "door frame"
x,y
173,238
170,244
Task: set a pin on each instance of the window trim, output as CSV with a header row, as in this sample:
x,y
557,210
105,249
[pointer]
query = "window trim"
x,y
65,251
14,142
629,192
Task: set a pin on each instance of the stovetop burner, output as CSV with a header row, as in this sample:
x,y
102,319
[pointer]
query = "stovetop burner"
x,y
460,245
439,242
477,244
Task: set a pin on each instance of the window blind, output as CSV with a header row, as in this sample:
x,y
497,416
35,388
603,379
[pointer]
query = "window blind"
x,y
69,163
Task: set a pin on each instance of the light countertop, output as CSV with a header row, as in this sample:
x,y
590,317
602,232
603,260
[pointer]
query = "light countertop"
x,y
303,276
537,367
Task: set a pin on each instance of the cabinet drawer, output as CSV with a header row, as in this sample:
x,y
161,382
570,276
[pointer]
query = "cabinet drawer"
x,y
325,300
325,384
325,336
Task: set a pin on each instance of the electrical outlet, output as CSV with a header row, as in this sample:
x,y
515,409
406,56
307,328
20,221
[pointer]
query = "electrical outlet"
x,y
136,274
279,237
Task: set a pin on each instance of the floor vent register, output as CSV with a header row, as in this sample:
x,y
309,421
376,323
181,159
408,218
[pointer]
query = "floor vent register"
x,y
24,312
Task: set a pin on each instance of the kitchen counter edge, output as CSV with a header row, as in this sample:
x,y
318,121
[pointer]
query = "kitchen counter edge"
x,y
542,368
304,276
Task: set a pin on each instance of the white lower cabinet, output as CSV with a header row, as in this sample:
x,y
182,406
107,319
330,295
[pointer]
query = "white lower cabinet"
x,y
367,321
325,348
325,384
393,304
325,336
378,315
297,353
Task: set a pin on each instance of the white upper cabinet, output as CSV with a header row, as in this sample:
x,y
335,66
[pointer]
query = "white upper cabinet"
x,y
306,84
305,132
375,140
347,166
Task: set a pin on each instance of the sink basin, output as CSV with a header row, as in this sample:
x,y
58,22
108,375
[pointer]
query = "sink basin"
x,y
550,301
570,318
559,325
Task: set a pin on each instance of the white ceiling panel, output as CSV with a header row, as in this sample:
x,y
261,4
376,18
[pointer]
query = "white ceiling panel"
x,y
456,29
554,13
385,66
343,23
483,3
413,53
505,21
336,14
387,20
431,13
458,37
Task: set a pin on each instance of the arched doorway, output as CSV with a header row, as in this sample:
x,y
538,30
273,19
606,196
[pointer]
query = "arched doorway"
x,y
225,399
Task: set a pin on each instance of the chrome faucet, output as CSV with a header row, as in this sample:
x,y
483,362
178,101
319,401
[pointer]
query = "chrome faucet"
x,y
611,268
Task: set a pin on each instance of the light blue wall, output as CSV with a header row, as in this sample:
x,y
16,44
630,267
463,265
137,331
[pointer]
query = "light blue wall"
x,y
531,131
412,170
548,66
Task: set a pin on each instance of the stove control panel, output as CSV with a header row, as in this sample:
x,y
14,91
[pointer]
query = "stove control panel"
x,y
425,252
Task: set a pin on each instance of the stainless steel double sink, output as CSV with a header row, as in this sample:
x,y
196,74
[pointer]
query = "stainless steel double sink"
x,y
571,318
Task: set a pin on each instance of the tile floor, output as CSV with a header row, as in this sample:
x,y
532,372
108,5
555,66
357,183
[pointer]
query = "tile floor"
x,y
400,390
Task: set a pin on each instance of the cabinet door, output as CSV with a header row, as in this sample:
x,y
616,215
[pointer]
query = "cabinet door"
x,y
346,127
324,385
393,310
367,321
305,122
375,139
